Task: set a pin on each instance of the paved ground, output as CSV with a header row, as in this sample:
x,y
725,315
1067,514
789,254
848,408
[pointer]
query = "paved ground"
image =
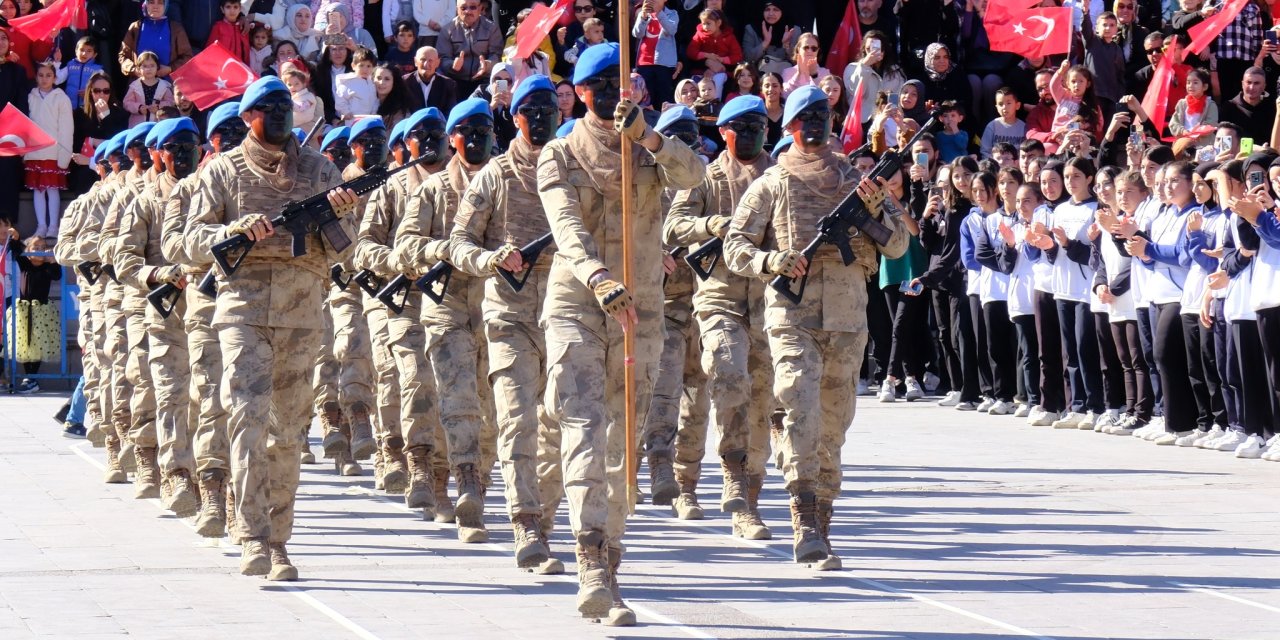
x,y
953,527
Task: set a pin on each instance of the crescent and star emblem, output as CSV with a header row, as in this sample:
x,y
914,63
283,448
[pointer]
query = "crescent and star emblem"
x,y
1022,30
222,84
13,139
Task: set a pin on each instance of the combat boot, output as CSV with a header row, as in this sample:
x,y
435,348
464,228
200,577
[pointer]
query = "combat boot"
x,y
334,440
146,483
552,566
395,477
686,506
362,443
97,435
825,511
620,615
748,524
183,501
444,504
166,492
594,595
282,570
471,527
733,497
128,460
306,457
114,474
662,479
807,544
531,551
254,558
345,466
470,499
233,528
379,468
420,494
213,512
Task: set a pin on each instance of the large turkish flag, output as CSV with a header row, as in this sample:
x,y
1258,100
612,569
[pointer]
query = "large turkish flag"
x,y
19,135
212,76
1022,27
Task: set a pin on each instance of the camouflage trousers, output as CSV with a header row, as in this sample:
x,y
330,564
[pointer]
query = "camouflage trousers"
x,y
142,397
735,357
386,383
115,358
419,417
815,374
170,372
678,415
266,368
344,370
464,397
211,443
91,359
585,396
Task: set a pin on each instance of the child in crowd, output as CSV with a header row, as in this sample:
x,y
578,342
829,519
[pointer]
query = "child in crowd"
x,y
592,33
1007,127
953,141
307,108
657,54
1104,58
75,74
46,169
708,103
745,82
260,48
230,30
149,93
401,55
36,320
1072,90
354,93
713,50
1196,110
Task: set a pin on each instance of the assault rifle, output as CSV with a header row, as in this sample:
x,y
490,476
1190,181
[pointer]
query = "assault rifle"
x,y
851,218
369,282
395,294
335,274
302,217
442,272
164,298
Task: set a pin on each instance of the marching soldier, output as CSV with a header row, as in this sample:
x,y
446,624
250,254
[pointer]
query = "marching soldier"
x,y
268,314
578,180
816,344
500,213
729,310
453,326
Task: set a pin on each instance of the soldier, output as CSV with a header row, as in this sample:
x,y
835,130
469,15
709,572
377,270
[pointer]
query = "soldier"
x,y
140,265
422,438
335,146
211,445
679,407
268,314
578,179
729,310
816,344
499,214
453,326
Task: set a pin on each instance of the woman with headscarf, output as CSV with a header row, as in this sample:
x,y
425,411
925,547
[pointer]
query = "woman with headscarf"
x,y
333,19
944,80
769,44
156,33
299,28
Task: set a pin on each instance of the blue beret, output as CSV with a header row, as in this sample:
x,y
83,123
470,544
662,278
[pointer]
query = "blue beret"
x,y
299,134
673,115
115,144
741,106
334,135
782,144
799,100
138,133
166,129
566,128
397,132
221,114
466,109
528,86
98,154
422,116
259,90
367,124
595,60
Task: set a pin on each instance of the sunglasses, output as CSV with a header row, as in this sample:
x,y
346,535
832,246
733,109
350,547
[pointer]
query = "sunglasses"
x,y
274,105
427,135
751,125
473,131
179,148
814,115
1152,52
584,9
808,47
537,111
102,92
371,141
602,81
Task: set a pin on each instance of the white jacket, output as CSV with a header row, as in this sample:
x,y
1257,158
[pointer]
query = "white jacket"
x,y
424,11
354,96
52,113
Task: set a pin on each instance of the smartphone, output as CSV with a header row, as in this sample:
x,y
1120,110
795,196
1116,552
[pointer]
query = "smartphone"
x,y
1136,139
895,100
1272,37
335,39
875,44
1073,126
906,287
922,159
936,190
501,86
1256,178
1246,146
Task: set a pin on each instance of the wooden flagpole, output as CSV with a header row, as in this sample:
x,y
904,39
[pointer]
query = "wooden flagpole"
x,y
628,277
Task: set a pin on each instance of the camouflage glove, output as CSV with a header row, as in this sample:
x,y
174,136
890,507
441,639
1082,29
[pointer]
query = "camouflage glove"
x,y
496,258
628,121
241,226
167,275
783,262
613,297
718,225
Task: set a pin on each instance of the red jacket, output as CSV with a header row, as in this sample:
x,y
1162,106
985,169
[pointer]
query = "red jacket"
x,y
232,38
723,44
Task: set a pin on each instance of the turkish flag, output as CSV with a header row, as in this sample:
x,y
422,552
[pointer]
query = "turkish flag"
x,y
1204,33
848,40
851,134
212,76
1156,102
1022,27
45,23
537,25
19,135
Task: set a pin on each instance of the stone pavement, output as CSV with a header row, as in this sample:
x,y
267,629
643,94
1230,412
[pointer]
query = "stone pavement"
x,y
953,527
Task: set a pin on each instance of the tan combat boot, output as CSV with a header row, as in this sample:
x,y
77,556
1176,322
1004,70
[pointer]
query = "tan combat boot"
x,y
595,598
444,504
282,570
183,501
733,497
825,511
469,509
420,493
254,559
395,476
807,543
146,483
531,551
620,615
128,460
552,566
334,440
362,442
114,474
212,521
685,506
662,479
306,457
379,468
748,524
343,463
233,528
97,434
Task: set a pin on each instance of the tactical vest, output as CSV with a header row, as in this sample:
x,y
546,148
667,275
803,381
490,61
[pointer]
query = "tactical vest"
x,y
254,195
805,208
518,215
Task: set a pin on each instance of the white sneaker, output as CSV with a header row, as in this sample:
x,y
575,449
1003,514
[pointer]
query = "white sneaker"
x,y
1041,418
887,393
1070,420
1206,441
1022,411
1107,420
986,404
1189,440
931,381
966,406
950,400
1273,452
1228,442
1167,438
1145,430
914,392
1250,448
1157,430
863,387
1087,422
1000,408
1126,426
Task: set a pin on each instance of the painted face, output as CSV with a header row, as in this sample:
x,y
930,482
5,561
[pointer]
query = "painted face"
x,y
745,135
229,135
370,148
427,140
538,117
139,154
815,123
686,131
181,154
339,154
277,117
473,138
602,93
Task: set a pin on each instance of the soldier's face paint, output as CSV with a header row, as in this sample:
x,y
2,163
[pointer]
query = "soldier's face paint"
x,y
181,154
473,138
339,153
121,161
157,160
275,124
538,117
139,155
812,126
229,135
602,93
399,152
745,136
686,131
370,149
428,140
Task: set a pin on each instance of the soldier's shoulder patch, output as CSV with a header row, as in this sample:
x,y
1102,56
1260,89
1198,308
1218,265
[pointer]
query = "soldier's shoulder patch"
x,y
474,198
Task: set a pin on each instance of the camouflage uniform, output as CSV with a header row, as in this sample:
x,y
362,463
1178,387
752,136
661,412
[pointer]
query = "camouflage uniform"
x,y
67,252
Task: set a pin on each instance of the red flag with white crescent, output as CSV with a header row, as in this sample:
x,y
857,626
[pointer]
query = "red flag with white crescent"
x,y
1156,101
851,135
848,42
19,135
1204,33
1022,27
212,76
540,21
45,23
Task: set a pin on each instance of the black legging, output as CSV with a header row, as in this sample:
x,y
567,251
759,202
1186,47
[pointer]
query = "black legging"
x,y
977,336
1269,333
1146,334
1137,378
1113,382
907,355
1247,362
1002,346
1202,369
1028,357
1084,372
880,326
1053,396
949,312
1171,359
